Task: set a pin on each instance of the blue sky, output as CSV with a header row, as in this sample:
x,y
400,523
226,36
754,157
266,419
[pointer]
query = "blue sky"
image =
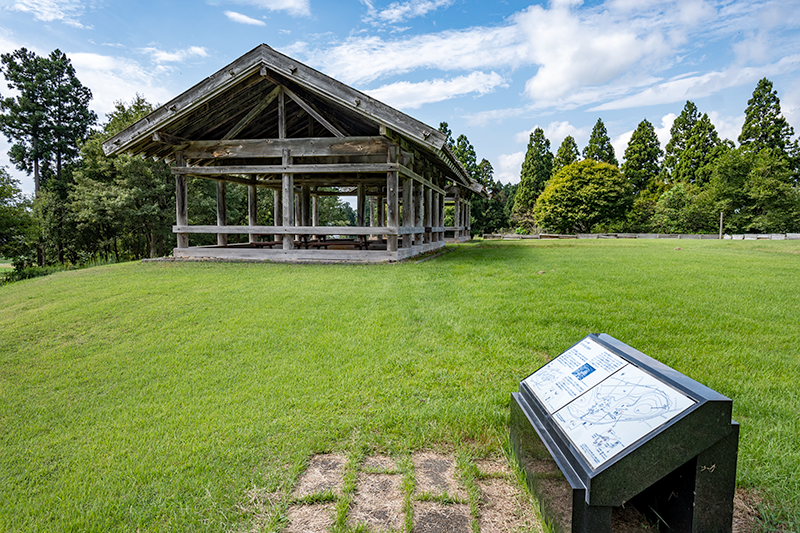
x,y
492,70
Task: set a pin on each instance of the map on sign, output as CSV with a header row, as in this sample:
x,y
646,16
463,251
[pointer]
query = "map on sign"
x,y
601,402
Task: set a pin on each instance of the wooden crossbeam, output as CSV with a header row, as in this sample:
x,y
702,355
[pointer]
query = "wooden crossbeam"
x,y
247,119
288,169
313,112
303,230
314,147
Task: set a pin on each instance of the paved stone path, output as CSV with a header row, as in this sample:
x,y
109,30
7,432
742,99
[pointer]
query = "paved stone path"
x,y
426,493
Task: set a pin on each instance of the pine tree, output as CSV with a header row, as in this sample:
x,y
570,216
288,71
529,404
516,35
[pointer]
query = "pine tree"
x,y
702,148
465,153
679,134
448,133
50,116
567,154
764,126
536,170
641,166
599,147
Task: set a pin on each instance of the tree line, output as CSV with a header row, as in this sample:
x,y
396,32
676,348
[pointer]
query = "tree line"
x,y
88,206
91,207
684,188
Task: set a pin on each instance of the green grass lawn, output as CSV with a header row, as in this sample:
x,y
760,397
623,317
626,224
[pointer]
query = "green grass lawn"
x,y
154,396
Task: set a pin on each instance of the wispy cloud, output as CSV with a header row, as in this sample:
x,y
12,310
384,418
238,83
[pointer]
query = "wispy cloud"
x,y
244,19
694,87
580,55
407,95
293,7
66,11
400,11
176,56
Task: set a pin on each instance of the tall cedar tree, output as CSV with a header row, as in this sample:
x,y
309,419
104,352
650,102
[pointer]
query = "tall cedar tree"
x,y
599,147
536,171
567,154
50,116
679,134
641,166
702,149
764,126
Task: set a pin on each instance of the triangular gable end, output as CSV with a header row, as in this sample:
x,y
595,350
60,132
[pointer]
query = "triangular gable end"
x,y
239,100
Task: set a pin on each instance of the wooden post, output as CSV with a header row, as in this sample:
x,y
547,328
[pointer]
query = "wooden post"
x,y
418,213
252,208
435,215
720,225
315,209
456,213
408,210
441,214
277,211
428,214
305,205
392,200
281,115
360,204
181,202
222,211
288,200
381,210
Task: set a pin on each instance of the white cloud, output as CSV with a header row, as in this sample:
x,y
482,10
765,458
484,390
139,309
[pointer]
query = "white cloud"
x,y
407,95
790,105
66,11
727,127
400,11
244,19
510,166
112,79
694,87
555,132
162,56
293,7
620,143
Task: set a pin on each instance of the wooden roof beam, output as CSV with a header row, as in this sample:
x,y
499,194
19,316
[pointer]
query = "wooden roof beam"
x,y
247,119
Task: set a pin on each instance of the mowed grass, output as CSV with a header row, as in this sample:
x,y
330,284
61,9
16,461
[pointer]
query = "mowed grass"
x,y
154,396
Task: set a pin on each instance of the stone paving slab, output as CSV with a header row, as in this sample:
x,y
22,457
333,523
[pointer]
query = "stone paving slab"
x,y
433,517
324,472
378,502
436,474
504,509
382,463
316,518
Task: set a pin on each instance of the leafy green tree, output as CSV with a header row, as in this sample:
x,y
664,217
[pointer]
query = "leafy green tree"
x,y
16,222
465,153
567,154
641,167
49,117
120,204
599,147
685,208
584,195
679,135
448,133
764,126
755,191
701,150
536,171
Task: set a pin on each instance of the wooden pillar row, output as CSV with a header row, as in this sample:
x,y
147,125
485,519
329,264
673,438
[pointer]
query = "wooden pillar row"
x,y
418,195
181,202
408,210
392,199
360,204
428,214
288,200
252,208
222,211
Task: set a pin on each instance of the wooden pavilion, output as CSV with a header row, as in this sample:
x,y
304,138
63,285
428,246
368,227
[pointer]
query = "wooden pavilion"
x,y
269,122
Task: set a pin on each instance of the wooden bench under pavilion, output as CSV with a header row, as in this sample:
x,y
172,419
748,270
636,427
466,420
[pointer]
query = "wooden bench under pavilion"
x,y
271,123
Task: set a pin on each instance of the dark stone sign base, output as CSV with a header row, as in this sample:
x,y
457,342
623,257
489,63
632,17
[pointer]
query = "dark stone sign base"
x,y
681,478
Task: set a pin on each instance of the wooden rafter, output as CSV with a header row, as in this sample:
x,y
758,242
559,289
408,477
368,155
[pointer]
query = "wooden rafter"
x,y
247,119
313,112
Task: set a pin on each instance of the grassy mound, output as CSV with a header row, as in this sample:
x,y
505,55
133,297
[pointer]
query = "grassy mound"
x,y
156,396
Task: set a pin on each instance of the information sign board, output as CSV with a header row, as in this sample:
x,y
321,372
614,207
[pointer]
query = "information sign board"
x,y
602,402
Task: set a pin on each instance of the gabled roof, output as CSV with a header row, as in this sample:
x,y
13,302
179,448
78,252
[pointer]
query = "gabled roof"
x,y
239,99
